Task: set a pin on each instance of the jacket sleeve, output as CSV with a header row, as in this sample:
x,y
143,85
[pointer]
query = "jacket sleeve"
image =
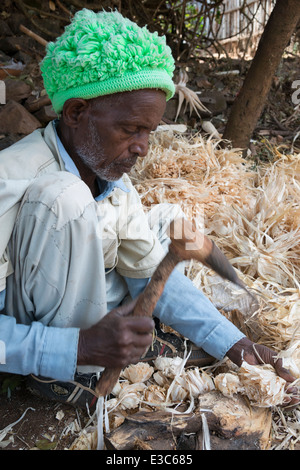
x,y
37,349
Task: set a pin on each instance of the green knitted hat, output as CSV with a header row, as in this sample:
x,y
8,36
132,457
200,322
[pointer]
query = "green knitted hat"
x,y
104,53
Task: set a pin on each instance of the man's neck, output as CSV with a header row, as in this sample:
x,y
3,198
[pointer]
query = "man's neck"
x,y
86,174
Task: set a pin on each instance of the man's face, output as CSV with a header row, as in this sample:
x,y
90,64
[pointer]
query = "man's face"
x,y
116,131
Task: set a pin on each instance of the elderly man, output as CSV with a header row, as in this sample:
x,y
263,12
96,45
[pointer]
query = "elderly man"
x,y
76,241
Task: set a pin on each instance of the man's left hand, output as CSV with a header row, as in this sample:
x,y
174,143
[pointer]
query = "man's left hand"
x,y
255,354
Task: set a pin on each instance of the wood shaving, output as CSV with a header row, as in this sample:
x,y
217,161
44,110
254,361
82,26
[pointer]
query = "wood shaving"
x,y
260,384
140,372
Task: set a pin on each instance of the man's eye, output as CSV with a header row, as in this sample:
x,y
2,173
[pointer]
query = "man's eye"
x,y
130,130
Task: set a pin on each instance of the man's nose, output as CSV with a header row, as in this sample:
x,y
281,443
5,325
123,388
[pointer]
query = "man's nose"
x,y
140,146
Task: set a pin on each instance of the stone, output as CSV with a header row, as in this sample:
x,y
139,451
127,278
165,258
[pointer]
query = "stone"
x,y
17,90
5,29
4,58
46,114
15,20
10,45
214,101
33,104
15,119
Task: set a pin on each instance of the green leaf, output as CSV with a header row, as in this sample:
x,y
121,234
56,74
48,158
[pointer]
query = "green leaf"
x,y
11,383
45,444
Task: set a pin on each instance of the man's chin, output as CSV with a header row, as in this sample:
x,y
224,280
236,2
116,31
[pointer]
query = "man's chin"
x,y
115,175
109,178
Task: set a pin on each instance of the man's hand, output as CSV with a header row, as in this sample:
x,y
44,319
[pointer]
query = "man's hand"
x,y
117,340
255,354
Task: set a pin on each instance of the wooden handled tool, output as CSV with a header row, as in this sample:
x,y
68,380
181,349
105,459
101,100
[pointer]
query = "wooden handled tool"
x,y
186,243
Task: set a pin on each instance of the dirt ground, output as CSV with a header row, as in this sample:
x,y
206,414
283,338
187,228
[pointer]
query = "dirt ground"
x,y
44,424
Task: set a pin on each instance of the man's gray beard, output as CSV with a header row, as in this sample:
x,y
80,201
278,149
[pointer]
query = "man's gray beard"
x,y
91,154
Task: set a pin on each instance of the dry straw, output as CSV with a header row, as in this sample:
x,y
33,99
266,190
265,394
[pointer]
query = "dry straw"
x,y
252,213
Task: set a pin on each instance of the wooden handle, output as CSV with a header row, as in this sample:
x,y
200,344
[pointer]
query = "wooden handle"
x,y
147,301
107,381
144,308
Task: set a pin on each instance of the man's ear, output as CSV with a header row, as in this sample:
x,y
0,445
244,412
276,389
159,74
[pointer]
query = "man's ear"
x,y
74,110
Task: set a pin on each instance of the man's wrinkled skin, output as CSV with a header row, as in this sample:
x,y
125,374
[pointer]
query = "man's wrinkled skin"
x,y
256,354
117,340
104,137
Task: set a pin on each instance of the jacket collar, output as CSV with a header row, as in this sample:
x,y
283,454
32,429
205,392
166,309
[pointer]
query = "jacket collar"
x,y
105,187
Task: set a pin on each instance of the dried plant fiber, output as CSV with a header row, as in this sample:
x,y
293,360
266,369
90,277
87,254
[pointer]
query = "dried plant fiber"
x,y
252,213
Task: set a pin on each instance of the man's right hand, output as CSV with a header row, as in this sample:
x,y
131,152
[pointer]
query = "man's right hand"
x,y
117,340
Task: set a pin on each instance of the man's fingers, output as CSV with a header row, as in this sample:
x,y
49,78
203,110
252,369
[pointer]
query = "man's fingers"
x,y
283,372
137,325
131,349
293,392
126,309
141,325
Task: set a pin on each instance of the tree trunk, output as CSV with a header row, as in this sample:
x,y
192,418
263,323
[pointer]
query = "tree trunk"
x,y
250,102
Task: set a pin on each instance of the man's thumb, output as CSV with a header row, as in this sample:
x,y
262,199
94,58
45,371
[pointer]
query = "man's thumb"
x,y
127,308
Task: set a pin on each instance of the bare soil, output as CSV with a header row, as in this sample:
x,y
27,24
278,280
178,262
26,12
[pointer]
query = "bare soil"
x,y
45,423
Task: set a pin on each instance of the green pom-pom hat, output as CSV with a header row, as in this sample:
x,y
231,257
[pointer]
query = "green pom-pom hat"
x,y
104,53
